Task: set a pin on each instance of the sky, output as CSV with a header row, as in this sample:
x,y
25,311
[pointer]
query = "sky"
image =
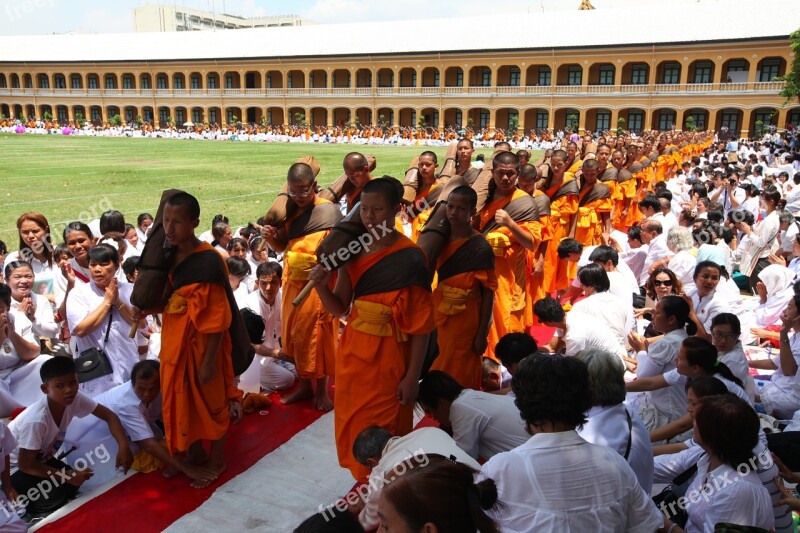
x,y
38,17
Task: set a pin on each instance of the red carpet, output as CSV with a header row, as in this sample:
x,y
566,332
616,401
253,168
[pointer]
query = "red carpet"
x,y
149,502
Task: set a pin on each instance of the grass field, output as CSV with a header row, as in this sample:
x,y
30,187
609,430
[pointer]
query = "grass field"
x,y
77,178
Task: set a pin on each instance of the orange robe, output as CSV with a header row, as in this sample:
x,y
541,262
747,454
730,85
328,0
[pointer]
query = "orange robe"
x,y
457,305
308,332
626,199
510,313
193,411
589,226
536,289
558,273
374,352
421,217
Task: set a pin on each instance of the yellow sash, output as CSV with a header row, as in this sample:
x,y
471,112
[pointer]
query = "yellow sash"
x,y
176,305
587,217
499,242
454,300
375,319
300,264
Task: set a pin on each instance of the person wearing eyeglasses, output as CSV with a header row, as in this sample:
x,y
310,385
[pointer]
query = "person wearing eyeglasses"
x,y
309,331
725,331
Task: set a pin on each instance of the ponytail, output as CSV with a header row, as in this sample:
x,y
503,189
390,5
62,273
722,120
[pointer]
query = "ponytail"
x,y
483,496
700,352
722,369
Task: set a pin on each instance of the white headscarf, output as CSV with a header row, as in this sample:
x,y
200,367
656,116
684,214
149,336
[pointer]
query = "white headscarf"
x,y
776,278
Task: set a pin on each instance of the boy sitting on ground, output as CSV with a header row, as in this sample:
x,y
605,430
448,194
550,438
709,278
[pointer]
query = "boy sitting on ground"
x,y
40,430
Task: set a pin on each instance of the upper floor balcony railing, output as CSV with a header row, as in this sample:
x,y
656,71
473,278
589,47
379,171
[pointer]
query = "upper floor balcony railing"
x,y
683,89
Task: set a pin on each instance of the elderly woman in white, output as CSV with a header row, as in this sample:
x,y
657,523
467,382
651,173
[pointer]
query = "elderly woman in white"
x,y
610,421
19,359
103,305
25,302
682,263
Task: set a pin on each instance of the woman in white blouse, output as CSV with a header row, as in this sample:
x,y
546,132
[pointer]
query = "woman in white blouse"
x,y
706,302
763,237
682,263
24,302
725,332
601,492
660,407
36,248
726,488
100,305
19,359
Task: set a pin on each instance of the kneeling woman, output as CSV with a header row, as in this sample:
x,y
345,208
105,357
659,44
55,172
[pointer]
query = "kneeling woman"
x,y
19,359
99,315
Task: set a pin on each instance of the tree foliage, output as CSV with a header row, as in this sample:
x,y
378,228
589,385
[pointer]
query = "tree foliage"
x,y
792,78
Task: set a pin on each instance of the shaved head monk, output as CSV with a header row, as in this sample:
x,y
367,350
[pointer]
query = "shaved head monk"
x,y
308,331
356,167
380,356
199,395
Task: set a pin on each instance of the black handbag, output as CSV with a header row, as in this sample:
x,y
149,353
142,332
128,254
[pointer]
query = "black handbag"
x,y
93,363
667,499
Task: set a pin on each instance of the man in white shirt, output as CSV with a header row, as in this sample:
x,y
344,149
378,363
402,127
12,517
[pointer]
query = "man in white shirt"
x,y
482,424
382,453
656,240
276,373
632,251
575,331
622,280
137,403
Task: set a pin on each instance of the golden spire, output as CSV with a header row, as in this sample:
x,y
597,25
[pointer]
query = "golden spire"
x,y
585,5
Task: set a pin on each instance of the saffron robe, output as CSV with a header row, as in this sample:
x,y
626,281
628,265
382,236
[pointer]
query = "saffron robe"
x,y
194,411
463,267
392,299
309,332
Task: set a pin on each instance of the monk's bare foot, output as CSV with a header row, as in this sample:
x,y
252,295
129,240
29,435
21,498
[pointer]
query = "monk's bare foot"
x,y
201,475
303,392
323,403
206,481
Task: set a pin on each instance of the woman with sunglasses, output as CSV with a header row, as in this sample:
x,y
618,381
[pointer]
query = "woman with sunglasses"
x,y
661,283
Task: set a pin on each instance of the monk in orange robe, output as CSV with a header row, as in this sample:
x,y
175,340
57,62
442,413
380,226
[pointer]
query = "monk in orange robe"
x,y
594,207
427,195
199,395
510,222
574,161
526,182
562,189
383,346
464,295
356,167
308,331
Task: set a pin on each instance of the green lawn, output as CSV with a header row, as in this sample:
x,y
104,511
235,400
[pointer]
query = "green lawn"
x,y
77,178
